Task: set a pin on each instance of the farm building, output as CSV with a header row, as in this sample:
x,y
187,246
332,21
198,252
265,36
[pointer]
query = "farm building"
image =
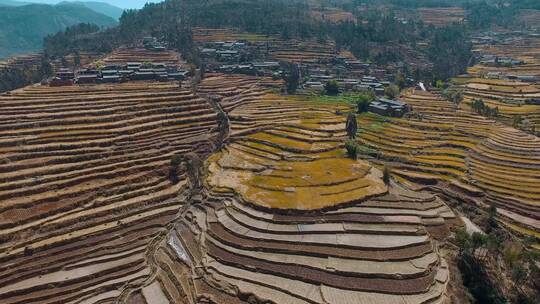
x,y
111,78
64,77
134,66
143,75
179,75
87,78
388,107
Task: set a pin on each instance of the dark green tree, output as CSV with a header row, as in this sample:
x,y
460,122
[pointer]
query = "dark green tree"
x,y
331,88
173,168
386,175
292,78
351,126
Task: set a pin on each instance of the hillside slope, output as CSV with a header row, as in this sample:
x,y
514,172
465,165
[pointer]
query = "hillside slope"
x,y
22,28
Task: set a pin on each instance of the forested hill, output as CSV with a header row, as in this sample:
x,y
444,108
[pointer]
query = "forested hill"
x,y
100,7
22,28
380,37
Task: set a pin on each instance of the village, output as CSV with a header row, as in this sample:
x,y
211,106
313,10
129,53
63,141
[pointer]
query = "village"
x,y
244,58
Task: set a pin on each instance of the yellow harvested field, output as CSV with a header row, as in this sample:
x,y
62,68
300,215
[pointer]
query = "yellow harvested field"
x,y
300,185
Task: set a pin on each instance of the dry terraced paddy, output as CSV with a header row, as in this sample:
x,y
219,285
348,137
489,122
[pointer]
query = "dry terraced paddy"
x,y
124,55
462,153
441,16
510,97
298,51
211,35
248,238
305,51
84,188
335,15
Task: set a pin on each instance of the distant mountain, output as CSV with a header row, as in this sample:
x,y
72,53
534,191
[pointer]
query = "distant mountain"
x,y
100,7
12,3
22,28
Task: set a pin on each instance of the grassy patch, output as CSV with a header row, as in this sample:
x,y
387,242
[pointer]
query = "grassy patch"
x,y
343,98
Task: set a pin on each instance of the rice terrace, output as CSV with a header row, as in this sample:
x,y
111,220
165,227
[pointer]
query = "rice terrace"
x,y
273,152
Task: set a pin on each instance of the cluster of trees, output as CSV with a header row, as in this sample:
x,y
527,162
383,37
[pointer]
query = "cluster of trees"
x,y
477,249
83,36
15,77
383,38
482,14
450,50
172,21
455,96
481,108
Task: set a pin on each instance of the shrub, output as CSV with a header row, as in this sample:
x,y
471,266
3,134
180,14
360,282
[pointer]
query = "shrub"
x,y
362,103
519,274
455,96
463,240
512,253
392,91
352,149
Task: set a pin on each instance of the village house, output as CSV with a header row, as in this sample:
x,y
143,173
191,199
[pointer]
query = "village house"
x,y
85,76
133,66
64,77
388,107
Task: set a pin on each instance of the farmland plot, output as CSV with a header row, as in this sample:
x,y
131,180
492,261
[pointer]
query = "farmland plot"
x,y
462,153
512,97
85,185
257,233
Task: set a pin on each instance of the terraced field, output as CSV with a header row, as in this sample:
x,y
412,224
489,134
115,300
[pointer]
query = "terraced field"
x,y
278,215
298,51
252,235
124,55
303,51
85,187
511,97
441,16
332,15
224,34
463,155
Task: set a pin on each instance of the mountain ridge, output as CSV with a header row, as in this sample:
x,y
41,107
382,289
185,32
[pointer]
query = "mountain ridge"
x,y
22,28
